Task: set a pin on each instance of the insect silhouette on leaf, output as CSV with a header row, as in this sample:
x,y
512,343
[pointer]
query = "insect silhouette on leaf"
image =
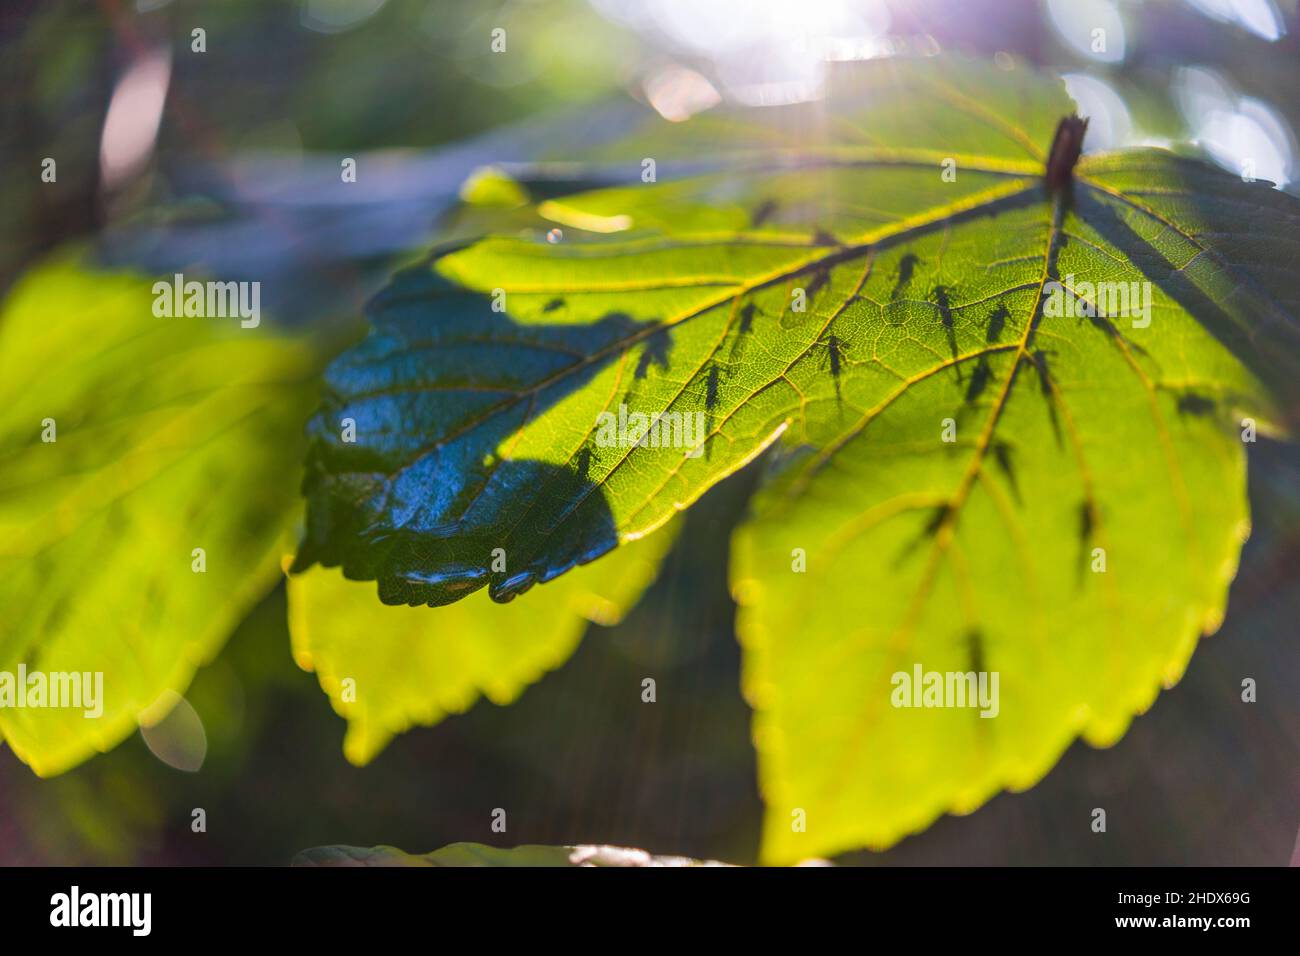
x,y
831,360
997,321
906,265
654,353
948,320
1039,361
763,213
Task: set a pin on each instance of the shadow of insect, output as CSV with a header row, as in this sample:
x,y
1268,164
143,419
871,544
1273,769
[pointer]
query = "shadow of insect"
x,y
831,359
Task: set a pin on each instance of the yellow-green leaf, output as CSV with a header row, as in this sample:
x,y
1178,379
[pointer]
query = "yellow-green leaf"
x,y
387,668
980,457
169,435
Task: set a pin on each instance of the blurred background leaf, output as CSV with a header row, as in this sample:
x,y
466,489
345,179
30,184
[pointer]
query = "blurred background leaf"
x,y
134,449
476,854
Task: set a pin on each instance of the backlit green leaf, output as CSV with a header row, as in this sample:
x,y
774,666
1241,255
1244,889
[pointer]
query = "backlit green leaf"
x,y
409,666
964,422
171,434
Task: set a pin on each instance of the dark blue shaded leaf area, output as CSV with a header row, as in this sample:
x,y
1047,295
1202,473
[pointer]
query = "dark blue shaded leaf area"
x,y
420,499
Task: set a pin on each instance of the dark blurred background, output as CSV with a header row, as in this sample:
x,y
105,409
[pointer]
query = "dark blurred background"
x,y
221,160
